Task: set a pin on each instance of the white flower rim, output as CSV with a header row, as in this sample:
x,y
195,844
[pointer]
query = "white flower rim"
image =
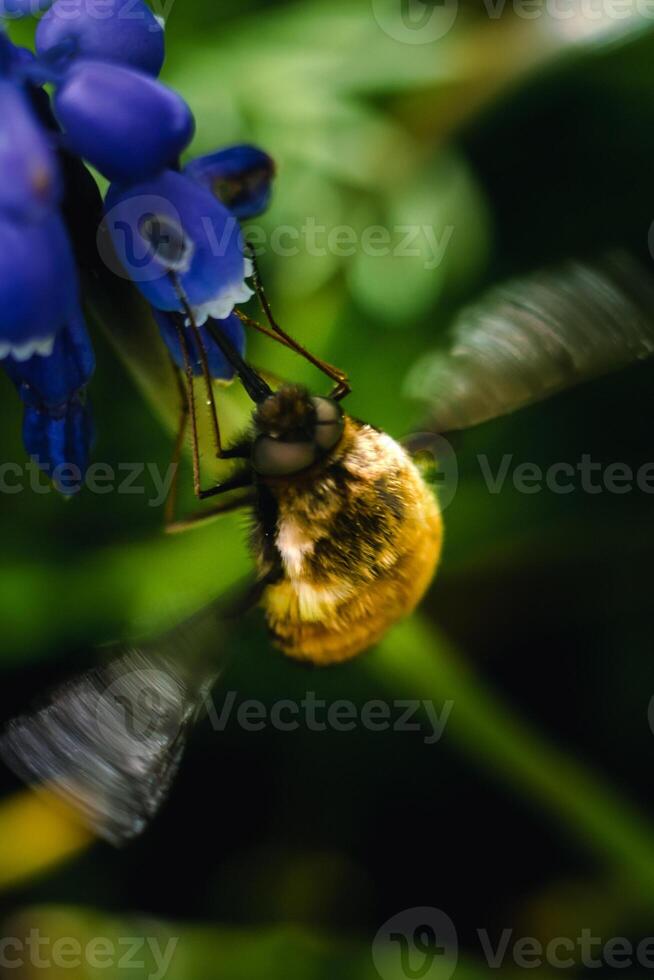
x,y
42,347
220,307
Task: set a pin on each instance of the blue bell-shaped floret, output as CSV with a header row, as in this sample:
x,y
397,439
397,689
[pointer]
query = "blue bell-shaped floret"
x,y
172,235
128,34
123,122
219,366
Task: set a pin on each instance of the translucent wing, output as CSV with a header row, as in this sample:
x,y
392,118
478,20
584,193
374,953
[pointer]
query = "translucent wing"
x,y
109,742
533,337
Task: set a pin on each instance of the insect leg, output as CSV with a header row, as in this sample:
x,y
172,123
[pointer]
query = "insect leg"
x,y
227,347
181,336
342,387
257,389
223,507
171,499
249,322
206,373
208,383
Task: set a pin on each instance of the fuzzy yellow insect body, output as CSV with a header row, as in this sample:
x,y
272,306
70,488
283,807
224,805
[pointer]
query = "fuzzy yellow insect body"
x,y
355,540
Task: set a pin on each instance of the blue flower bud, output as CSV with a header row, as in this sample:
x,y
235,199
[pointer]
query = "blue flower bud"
x,y
219,367
22,58
60,443
49,382
169,227
29,179
123,122
239,176
38,286
15,9
6,56
13,58
128,34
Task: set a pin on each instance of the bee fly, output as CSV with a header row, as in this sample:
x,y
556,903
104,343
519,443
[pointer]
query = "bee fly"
x,y
346,537
346,533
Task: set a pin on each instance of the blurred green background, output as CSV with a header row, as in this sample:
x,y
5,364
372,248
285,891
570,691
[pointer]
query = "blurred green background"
x,y
522,140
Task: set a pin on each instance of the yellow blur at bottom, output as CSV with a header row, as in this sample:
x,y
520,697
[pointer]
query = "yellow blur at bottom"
x,y
36,834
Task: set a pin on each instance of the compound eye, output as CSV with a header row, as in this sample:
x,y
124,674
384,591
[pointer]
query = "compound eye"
x,y
271,457
329,423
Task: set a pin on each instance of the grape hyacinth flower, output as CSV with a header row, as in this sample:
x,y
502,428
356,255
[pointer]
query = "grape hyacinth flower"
x,y
57,427
60,442
239,176
123,122
39,292
49,382
29,180
176,232
131,36
172,229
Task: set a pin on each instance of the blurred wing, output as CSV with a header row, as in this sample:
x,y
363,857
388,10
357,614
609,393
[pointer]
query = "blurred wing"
x,y
536,336
109,742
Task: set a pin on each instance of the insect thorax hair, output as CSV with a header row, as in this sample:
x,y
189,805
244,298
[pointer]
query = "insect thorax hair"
x,y
290,409
342,512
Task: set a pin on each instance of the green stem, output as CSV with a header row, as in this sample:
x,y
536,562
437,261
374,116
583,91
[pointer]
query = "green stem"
x,y
415,659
